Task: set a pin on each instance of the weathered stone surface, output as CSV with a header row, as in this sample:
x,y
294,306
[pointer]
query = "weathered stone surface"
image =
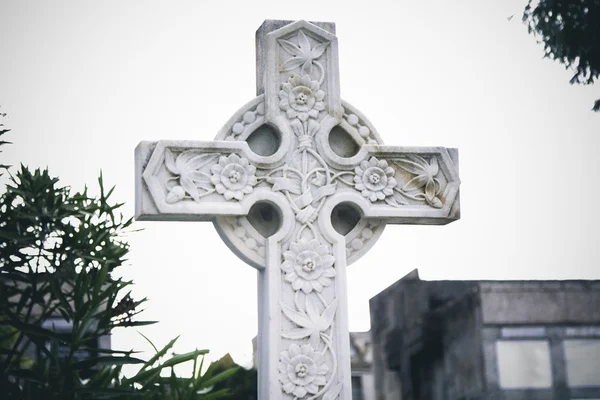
x,y
298,184
486,339
531,302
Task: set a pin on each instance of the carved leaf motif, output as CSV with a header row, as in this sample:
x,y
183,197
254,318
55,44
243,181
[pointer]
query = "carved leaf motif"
x,y
296,317
291,48
400,199
291,64
333,393
425,177
411,166
311,309
434,167
189,187
297,127
313,127
326,318
416,183
319,49
304,43
199,178
302,54
312,323
187,165
191,161
297,333
170,162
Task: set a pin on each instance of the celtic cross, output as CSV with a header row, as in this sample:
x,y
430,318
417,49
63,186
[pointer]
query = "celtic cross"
x,y
298,184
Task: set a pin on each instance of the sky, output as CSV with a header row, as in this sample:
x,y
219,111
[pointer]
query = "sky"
x,y
84,82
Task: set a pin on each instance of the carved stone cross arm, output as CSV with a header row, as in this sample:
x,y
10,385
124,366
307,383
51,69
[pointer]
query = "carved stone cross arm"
x,y
299,185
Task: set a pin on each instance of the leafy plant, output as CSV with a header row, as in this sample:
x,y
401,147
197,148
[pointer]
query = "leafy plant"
x,y
153,385
58,255
570,31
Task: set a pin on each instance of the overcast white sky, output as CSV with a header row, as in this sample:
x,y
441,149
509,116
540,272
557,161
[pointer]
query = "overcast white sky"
x,y
83,82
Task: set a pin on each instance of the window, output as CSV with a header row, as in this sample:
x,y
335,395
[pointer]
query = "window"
x,y
524,364
357,390
583,362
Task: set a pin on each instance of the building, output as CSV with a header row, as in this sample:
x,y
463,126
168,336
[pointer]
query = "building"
x,y
361,364
505,340
61,327
361,359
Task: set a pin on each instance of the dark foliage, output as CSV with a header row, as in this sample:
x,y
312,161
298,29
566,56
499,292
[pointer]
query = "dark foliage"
x,y
58,255
243,383
3,131
570,31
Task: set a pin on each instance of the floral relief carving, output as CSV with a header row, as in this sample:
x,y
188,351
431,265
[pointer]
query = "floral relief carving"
x,y
233,177
375,179
308,268
300,97
308,265
197,175
302,370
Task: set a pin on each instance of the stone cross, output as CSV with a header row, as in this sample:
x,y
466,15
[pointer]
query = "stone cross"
x,y
299,185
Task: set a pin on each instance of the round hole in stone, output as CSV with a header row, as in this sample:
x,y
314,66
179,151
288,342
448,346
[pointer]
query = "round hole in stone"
x,y
344,217
341,142
264,141
265,218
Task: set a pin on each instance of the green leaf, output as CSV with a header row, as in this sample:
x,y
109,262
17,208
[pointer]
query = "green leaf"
x,y
100,278
181,358
160,353
106,360
58,293
137,323
146,378
220,377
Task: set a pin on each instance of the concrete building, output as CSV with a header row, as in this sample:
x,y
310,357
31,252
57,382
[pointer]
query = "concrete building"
x,y
361,364
504,340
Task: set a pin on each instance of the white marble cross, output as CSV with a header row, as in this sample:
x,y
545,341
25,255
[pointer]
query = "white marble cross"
x,y
298,184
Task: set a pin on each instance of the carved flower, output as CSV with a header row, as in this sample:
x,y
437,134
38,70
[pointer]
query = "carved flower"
x,y
301,98
233,177
308,265
303,54
302,370
375,179
425,176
